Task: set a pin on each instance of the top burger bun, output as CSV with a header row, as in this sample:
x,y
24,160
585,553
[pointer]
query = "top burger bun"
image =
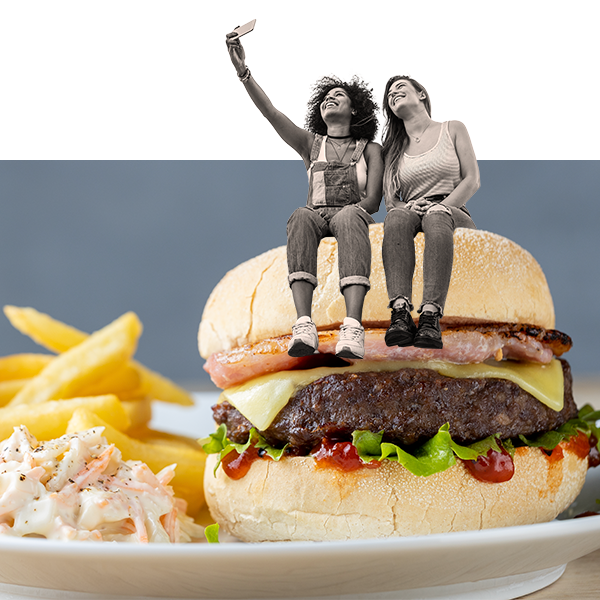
x,y
494,280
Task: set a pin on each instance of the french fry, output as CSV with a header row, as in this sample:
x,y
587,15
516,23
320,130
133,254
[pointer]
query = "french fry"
x,y
124,382
43,329
9,389
58,337
50,419
145,434
94,358
187,483
161,388
139,412
22,366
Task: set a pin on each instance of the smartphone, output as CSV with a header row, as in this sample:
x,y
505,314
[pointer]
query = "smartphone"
x,y
244,29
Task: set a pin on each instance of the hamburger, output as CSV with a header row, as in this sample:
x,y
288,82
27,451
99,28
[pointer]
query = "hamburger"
x,y
481,433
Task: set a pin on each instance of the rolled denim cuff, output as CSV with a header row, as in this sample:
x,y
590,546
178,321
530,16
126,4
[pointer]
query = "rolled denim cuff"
x,y
434,304
354,280
303,276
410,304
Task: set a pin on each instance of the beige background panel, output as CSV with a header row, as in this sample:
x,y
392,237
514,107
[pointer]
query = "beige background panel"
x,y
165,88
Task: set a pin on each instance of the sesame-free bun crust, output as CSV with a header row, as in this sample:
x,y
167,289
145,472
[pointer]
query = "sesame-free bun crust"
x,y
293,500
493,280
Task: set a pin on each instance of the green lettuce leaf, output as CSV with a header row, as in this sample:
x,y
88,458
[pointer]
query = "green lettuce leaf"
x,y
584,422
219,443
433,456
590,418
216,441
211,533
587,413
367,444
436,455
274,453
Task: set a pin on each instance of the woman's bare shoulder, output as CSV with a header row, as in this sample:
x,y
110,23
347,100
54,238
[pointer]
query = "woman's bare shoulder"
x,y
456,127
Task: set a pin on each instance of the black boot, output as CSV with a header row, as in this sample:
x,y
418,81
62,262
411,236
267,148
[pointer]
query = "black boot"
x,y
429,334
402,330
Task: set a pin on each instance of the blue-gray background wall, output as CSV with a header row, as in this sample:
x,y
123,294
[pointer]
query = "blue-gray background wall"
x,y
87,241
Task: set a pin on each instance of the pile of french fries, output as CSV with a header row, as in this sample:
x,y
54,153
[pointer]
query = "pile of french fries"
x,y
91,381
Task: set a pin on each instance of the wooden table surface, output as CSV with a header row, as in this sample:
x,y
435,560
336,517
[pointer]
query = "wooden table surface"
x,y
581,581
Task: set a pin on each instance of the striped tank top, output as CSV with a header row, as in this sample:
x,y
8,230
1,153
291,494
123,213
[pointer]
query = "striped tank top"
x,y
436,171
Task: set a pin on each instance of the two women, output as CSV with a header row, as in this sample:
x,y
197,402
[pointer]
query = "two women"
x,y
345,171
430,173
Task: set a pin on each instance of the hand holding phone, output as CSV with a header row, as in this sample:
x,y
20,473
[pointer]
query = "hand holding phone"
x,y
243,29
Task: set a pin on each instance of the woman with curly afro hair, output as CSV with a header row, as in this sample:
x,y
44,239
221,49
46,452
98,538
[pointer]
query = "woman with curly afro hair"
x,y
345,173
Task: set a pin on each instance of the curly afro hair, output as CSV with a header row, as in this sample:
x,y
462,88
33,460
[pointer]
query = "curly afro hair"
x,y
364,122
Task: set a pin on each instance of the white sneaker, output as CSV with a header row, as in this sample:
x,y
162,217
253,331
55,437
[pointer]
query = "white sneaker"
x,y
305,339
352,340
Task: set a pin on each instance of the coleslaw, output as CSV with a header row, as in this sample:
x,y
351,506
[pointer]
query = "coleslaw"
x,y
77,487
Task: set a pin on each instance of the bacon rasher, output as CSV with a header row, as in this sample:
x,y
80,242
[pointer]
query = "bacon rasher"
x,y
465,345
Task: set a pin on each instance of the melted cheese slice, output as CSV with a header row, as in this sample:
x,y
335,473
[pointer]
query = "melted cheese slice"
x,y
261,399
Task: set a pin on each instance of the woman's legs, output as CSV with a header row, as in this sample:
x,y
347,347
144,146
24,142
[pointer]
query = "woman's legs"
x,y
438,227
354,295
350,226
302,293
305,229
351,229
438,255
398,252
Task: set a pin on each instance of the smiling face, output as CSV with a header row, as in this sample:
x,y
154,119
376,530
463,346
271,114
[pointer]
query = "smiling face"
x,y
336,103
403,96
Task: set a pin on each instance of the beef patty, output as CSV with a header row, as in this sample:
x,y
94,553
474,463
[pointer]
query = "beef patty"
x,y
409,406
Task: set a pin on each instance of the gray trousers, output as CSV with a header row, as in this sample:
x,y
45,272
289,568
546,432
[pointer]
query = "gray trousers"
x,y
349,225
400,228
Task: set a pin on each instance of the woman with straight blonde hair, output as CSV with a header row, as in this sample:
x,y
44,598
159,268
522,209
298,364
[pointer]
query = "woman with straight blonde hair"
x,y
430,173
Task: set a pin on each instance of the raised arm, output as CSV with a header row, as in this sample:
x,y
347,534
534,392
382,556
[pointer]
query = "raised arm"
x,y
296,137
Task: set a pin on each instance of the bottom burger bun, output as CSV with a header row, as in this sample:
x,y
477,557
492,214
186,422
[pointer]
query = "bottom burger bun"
x,y
294,500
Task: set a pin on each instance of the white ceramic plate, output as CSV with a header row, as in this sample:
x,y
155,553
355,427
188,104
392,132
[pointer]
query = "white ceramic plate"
x,y
497,563
491,560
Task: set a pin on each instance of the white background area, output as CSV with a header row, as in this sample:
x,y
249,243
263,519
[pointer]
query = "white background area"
x,y
539,84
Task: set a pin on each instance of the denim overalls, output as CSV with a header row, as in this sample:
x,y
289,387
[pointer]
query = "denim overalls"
x,y
331,210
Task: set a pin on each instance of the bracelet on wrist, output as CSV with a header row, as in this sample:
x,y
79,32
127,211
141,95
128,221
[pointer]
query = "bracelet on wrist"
x,y
245,75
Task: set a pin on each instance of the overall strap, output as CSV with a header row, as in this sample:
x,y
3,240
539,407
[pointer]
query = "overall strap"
x,y
316,147
360,147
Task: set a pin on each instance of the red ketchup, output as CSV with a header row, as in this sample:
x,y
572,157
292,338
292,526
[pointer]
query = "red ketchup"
x,y
236,465
554,455
580,445
342,455
594,455
496,467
